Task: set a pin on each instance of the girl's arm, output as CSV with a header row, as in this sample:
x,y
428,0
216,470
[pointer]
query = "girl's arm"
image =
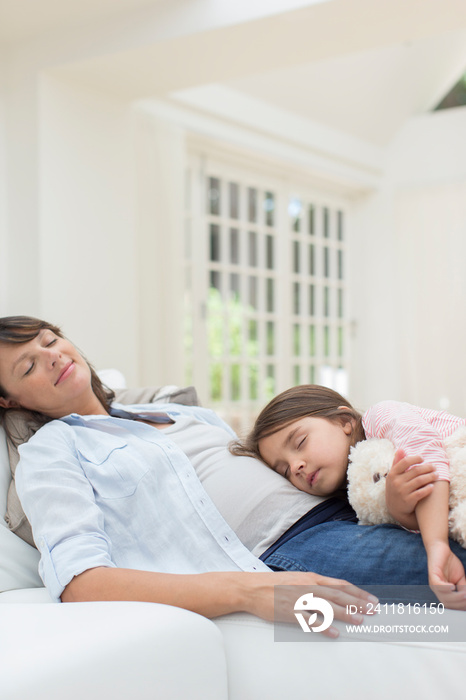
x,y
219,593
427,510
446,572
407,483
411,429
420,458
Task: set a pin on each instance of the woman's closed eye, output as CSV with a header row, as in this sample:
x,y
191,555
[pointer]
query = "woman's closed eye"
x,y
29,370
32,365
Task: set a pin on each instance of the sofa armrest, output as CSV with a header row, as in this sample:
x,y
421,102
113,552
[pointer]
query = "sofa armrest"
x,y
26,595
115,650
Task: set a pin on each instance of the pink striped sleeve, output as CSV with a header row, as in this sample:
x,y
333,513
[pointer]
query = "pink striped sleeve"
x,y
406,427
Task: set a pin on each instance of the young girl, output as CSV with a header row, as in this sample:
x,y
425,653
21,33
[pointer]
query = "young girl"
x,y
305,434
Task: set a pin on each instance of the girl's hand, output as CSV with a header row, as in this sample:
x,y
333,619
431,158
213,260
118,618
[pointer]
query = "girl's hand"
x,y
408,482
446,576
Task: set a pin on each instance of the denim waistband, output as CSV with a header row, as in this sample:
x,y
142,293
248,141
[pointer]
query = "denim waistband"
x,y
331,509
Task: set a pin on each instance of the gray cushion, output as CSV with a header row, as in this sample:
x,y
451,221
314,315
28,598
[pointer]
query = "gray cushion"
x,y
21,425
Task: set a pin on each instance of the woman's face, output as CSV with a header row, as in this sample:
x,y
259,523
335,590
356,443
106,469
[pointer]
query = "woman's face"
x,y
47,374
310,452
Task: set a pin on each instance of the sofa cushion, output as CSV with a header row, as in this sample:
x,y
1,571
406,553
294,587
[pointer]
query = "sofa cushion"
x,y
5,474
21,425
261,667
112,650
18,560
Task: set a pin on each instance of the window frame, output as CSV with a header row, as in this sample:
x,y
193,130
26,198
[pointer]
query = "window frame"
x,y
287,185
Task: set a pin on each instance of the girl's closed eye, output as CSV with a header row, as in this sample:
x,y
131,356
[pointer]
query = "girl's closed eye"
x,y
301,442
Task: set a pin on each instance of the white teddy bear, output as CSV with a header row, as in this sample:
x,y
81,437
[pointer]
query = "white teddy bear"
x,y
369,463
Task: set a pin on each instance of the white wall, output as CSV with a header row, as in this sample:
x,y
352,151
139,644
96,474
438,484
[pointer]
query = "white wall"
x,y
3,197
374,370
21,135
430,149
91,235
87,253
428,166
408,265
160,153
431,244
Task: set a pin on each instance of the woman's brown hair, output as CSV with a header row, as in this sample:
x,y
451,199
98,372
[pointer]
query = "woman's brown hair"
x,y
293,404
22,329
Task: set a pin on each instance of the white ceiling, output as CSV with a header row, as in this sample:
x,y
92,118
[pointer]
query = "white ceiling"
x,y
359,66
24,19
368,94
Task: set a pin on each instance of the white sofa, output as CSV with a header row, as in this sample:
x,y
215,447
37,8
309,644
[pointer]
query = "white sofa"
x,y
120,650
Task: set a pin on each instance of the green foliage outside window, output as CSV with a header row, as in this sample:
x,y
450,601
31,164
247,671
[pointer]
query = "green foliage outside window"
x,y
232,333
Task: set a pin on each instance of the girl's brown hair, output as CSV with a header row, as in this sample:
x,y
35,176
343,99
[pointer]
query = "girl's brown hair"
x,y
293,404
22,329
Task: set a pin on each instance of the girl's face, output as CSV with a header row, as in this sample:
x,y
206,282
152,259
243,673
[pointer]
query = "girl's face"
x,y
311,452
47,374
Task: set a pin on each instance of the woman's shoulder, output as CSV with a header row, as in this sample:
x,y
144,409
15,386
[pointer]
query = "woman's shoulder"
x,y
50,434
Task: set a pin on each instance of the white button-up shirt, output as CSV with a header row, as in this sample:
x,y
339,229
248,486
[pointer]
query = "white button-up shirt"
x,y
112,491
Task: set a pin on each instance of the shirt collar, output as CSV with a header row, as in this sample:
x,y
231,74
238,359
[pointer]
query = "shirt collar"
x,y
123,411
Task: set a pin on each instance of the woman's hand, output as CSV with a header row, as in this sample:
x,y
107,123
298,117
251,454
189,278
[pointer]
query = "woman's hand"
x,y
446,576
408,482
273,596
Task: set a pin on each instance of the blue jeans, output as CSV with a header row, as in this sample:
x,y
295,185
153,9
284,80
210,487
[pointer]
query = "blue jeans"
x,y
366,555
